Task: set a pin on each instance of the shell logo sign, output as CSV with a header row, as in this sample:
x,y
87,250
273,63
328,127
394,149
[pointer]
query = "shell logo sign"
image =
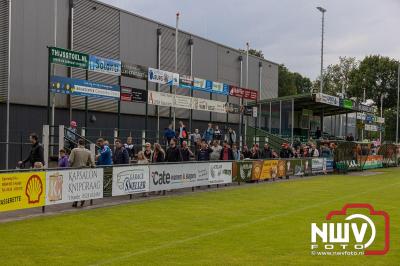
x,y
22,190
34,189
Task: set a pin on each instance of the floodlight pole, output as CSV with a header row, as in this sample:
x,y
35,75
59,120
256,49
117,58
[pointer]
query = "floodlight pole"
x,y
8,86
398,98
176,63
322,10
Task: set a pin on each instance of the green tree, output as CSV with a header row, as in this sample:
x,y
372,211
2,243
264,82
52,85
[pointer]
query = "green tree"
x,y
258,53
378,76
337,77
290,83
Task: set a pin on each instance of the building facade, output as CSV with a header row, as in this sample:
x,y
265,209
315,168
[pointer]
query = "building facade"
x,y
95,28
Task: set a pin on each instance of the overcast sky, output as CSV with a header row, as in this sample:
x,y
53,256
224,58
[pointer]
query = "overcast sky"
x,y
287,31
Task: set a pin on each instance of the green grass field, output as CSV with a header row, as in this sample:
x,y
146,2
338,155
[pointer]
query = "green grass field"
x,y
261,224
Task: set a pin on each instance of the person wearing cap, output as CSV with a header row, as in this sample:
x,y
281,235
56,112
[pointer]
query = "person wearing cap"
x,y
71,135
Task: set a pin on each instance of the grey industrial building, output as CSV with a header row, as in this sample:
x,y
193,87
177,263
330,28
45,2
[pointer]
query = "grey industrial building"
x,y
95,28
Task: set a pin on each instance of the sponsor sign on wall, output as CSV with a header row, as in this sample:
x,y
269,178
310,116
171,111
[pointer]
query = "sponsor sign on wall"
x,y
68,58
364,108
243,93
130,180
160,98
133,71
104,65
185,81
281,168
369,127
133,95
81,87
163,77
329,165
232,108
347,103
173,176
328,99
242,171
270,169
318,165
220,173
256,170
22,190
182,101
64,186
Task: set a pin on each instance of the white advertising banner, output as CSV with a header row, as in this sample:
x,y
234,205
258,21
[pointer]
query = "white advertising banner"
x,y
130,180
73,185
215,106
220,173
369,127
318,165
173,176
163,77
328,99
182,101
160,98
186,102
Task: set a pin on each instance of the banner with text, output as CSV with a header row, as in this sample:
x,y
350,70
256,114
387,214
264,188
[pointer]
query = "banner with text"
x,y
104,65
133,95
68,58
220,173
22,190
172,176
243,93
133,71
81,87
163,77
130,180
64,186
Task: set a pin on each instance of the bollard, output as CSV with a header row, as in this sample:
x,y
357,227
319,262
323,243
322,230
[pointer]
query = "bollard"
x,y
143,139
61,132
46,145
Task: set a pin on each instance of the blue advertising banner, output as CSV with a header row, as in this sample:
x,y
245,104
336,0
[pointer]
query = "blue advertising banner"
x,y
329,165
104,65
81,87
210,86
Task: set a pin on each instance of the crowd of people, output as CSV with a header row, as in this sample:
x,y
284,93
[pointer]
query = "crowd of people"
x,y
212,145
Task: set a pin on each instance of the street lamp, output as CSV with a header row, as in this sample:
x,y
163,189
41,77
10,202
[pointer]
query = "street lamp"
x,y
322,10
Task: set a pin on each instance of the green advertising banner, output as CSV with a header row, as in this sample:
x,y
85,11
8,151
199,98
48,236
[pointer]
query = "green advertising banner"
x,y
347,103
68,58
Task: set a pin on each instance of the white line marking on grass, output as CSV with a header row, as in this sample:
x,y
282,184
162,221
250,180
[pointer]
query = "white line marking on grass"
x,y
177,242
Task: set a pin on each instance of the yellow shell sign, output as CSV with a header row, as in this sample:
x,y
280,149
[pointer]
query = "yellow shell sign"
x,y
22,190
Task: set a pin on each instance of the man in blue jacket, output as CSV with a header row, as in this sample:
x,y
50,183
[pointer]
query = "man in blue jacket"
x,y
104,156
169,134
208,134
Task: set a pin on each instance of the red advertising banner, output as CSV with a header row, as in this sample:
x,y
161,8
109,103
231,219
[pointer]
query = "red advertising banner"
x,y
243,93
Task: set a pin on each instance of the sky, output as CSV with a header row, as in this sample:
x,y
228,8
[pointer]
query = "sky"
x,y
287,31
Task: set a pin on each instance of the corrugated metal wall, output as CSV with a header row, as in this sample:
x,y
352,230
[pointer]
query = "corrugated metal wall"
x,y
96,31
167,62
3,49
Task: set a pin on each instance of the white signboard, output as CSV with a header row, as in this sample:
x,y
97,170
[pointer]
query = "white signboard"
x,y
130,180
64,186
318,165
182,101
160,98
220,173
104,65
215,106
380,120
254,111
173,176
163,77
369,127
328,99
